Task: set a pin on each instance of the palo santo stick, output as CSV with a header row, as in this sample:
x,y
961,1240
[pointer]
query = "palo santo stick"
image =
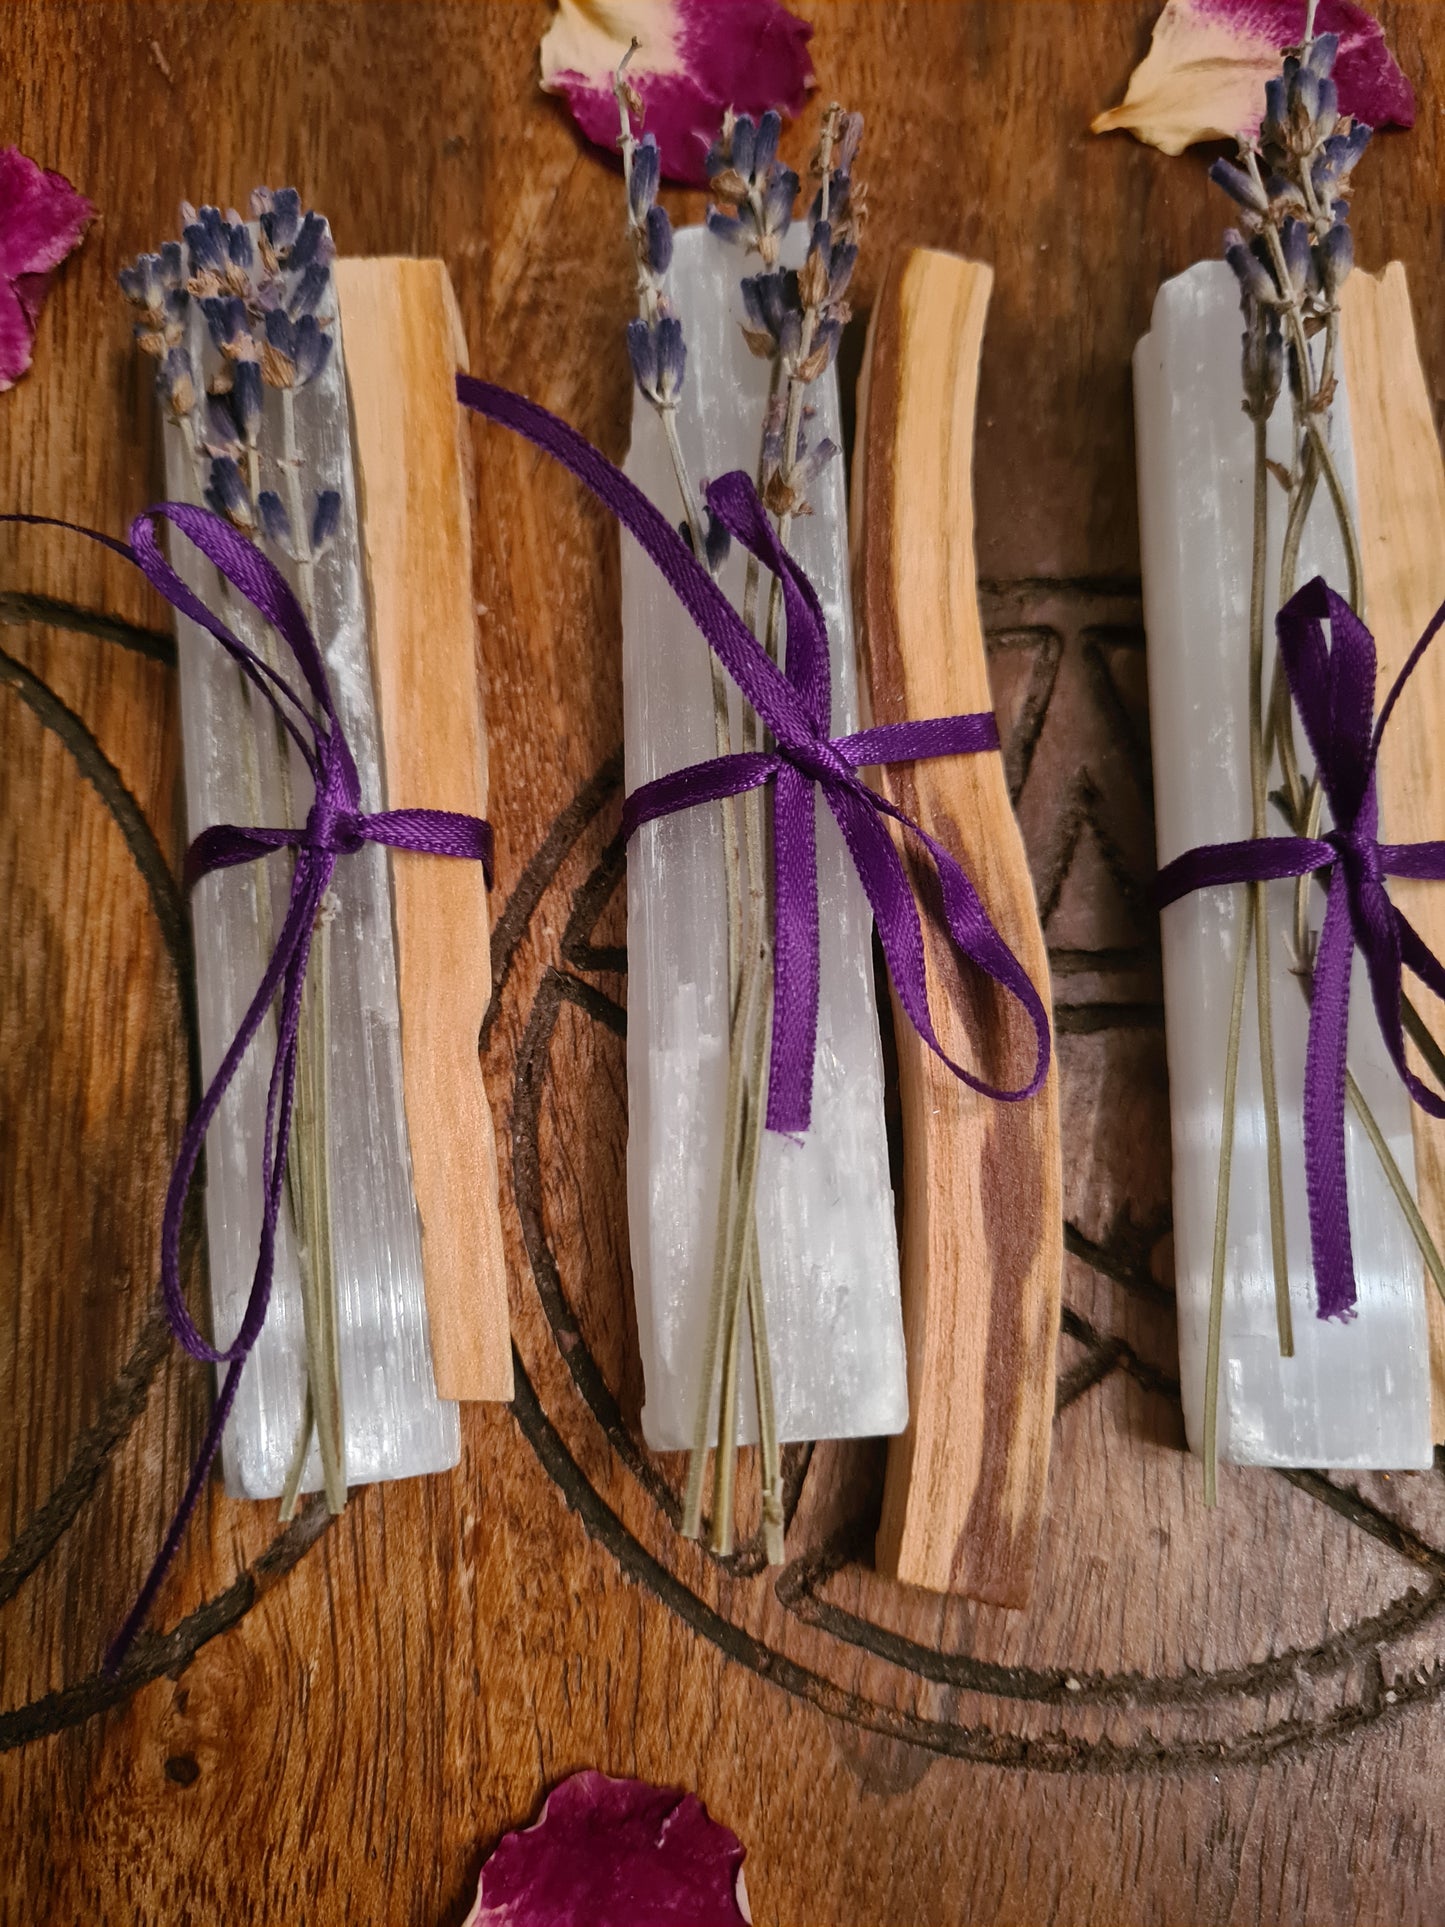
x,y
1400,480
404,344
983,1188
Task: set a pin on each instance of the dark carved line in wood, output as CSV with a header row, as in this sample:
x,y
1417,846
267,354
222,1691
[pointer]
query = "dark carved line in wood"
x,y
105,779
125,1398
156,1654
1123,1257
17,607
511,926
1106,1354
1053,1753
800,1586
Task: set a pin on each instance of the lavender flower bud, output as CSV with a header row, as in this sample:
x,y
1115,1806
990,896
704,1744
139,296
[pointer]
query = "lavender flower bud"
x,y
840,272
848,136
718,543
1320,54
281,217
1336,256
1336,161
646,176
173,319
227,495
142,284
227,321
659,240
173,267
1254,278
222,435
313,346
765,148
1296,243
176,383
1239,186
310,291
1327,115
206,243
313,243
659,358
770,301
778,199
727,227
238,244
325,519
278,359
825,345
246,399
275,522
816,460
1304,103
742,149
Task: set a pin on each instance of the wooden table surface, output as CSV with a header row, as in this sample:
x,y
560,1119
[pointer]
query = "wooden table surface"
x,y
1228,1716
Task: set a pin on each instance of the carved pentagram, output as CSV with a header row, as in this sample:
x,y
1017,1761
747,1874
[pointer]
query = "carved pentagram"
x,y
1067,667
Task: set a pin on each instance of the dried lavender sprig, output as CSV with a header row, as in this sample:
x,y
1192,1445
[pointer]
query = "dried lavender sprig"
x,y
260,299
657,350
1292,187
809,308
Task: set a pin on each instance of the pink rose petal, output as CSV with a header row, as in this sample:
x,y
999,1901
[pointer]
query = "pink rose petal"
x,y
1203,76
615,1853
695,59
41,219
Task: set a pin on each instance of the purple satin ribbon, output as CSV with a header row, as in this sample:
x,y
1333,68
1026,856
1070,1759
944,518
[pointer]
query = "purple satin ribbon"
x,y
794,703
335,827
1333,688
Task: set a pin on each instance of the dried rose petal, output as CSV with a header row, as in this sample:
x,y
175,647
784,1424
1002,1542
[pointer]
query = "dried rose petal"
x,y
1203,76
695,59
41,219
615,1853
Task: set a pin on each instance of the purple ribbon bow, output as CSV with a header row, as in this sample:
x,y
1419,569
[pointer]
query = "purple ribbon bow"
x,y
336,826
795,703
1333,688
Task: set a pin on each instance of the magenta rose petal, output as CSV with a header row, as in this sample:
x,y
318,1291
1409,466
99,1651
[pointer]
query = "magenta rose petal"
x,y
42,218
1203,76
615,1853
695,59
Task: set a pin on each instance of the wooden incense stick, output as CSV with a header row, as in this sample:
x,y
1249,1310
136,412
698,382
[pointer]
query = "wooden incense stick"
x,y
1400,483
404,344
982,1198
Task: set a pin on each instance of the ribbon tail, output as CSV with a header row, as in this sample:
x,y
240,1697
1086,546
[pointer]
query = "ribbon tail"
x,y
900,931
1324,1109
222,846
183,1172
136,1618
291,954
795,954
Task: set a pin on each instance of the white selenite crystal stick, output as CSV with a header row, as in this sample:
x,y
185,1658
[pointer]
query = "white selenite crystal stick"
x,y
825,1206
1357,1393
394,1424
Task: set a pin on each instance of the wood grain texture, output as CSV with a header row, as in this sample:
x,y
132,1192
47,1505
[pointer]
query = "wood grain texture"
x,y
1400,477
983,1228
404,344
1224,1718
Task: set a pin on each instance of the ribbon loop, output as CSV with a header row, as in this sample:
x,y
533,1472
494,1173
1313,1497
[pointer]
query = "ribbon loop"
x,y
1332,687
795,705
